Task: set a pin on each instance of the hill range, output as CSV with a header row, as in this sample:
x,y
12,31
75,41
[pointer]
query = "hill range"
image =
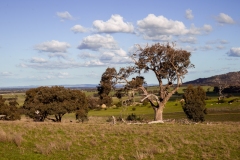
x,y
231,78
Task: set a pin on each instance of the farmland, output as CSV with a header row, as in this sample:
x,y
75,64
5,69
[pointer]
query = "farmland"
x,y
216,138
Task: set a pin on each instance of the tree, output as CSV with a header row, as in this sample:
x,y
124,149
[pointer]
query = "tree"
x,y
44,101
92,102
10,109
194,106
105,86
167,63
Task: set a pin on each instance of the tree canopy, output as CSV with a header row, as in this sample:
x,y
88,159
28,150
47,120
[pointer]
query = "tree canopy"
x,y
105,86
44,101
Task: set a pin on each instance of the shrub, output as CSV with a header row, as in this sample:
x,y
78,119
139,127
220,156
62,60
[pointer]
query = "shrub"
x,y
194,106
81,115
134,117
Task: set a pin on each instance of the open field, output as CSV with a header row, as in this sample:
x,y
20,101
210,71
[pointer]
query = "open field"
x,y
29,140
217,138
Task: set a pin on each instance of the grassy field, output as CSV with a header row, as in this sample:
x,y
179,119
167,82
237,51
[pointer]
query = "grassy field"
x,y
28,140
217,138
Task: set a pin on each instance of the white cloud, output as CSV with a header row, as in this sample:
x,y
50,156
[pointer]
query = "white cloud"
x,y
152,26
220,47
223,41
161,28
38,60
64,15
194,30
87,55
53,65
6,74
234,52
188,14
114,24
207,28
158,37
78,29
96,42
223,18
52,46
190,48
62,75
94,63
218,41
190,39
59,55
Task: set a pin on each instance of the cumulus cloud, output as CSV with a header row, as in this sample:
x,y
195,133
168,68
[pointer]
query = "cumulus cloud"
x,y
188,14
78,29
234,52
52,46
160,28
64,15
223,18
96,42
153,25
114,24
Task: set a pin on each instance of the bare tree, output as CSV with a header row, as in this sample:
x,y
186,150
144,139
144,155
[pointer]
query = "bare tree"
x,y
167,63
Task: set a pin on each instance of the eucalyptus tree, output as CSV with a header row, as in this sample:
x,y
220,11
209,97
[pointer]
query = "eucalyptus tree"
x,y
169,65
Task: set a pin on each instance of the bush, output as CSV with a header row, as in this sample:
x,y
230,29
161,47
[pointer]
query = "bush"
x,y
11,111
119,104
194,106
134,117
81,115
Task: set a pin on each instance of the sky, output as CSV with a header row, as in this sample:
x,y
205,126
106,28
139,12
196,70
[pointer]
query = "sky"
x,y
60,42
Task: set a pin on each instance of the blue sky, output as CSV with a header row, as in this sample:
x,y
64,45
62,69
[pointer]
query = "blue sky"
x,y
57,42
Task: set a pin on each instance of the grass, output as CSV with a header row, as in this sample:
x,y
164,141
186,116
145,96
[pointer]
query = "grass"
x,y
28,140
217,138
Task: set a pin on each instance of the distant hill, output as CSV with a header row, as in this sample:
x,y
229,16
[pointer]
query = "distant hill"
x,y
230,78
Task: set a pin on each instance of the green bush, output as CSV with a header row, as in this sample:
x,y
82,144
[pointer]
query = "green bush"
x,y
194,106
134,117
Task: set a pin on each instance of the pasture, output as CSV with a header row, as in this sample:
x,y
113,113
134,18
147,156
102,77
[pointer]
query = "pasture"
x,y
216,138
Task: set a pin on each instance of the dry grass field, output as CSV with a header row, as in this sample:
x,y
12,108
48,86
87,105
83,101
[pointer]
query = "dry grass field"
x,y
98,139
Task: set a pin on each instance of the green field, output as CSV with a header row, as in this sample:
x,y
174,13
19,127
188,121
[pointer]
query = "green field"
x,y
216,138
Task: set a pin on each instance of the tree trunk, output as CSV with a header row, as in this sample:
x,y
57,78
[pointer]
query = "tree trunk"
x,y
158,113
